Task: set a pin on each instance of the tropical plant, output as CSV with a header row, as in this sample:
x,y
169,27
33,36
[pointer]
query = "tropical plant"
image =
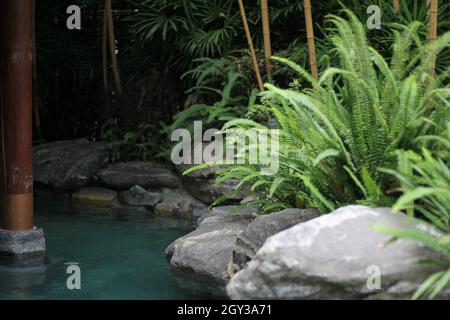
x,y
198,28
194,28
410,11
335,137
226,108
425,183
144,143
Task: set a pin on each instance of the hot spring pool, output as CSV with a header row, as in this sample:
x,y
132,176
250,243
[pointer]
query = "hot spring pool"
x,y
120,255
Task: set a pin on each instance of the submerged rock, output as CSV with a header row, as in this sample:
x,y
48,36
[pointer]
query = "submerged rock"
x,y
256,233
199,260
123,176
68,165
94,196
118,206
178,203
138,196
165,209
333,257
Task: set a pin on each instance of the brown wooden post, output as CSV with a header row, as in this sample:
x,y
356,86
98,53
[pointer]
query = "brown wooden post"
x,y
311,40
16,177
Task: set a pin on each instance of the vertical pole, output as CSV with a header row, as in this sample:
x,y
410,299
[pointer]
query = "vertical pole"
x,y
311,42
105,47
251,46
16,178
396,4
112,46
266,34
432,27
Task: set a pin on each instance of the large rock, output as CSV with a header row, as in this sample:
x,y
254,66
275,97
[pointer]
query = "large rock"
x,y
199,260
138,196
123,176
94,196
202,185
68,165
178,203
256,233
333,256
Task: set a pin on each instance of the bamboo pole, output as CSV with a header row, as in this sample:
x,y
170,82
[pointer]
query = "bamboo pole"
x,y
311,42
432,27
250,45
112,47
396,4
105,47
266,34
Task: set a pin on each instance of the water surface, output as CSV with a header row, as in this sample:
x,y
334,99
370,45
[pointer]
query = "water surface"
x,y
120,255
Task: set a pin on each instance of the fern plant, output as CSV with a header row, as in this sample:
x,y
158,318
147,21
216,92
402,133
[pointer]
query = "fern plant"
x,y
226,103
143,143
336,136
410,11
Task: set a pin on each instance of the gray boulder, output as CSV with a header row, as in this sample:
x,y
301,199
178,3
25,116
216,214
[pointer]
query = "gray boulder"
x,y
199,260
256,233
178,203
202,185
94,196
120,207
123,176
68,165
333,257
138,196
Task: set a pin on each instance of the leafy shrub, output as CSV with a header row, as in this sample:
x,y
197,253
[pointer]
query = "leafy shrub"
x,y
425,183
336,136
144,143
218,105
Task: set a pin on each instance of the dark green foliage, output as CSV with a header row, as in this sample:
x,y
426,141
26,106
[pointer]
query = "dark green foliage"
x,y
425,184
144,143
335,138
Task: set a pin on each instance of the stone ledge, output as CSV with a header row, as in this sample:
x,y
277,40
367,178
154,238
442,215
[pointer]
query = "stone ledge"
x,y
22,242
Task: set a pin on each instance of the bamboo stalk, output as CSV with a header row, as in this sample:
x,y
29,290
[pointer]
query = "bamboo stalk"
x,y
311,42
266,34
112,47
250,45
105,47
396,4
432,27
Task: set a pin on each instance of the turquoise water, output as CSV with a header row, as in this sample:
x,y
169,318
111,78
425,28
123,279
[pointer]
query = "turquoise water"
x,y
120,255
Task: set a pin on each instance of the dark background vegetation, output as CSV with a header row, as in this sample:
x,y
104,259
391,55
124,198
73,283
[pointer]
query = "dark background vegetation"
x,y
157,42
70,96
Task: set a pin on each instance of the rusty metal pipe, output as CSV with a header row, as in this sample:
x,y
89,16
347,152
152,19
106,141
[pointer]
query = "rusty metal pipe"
x,y
16,176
